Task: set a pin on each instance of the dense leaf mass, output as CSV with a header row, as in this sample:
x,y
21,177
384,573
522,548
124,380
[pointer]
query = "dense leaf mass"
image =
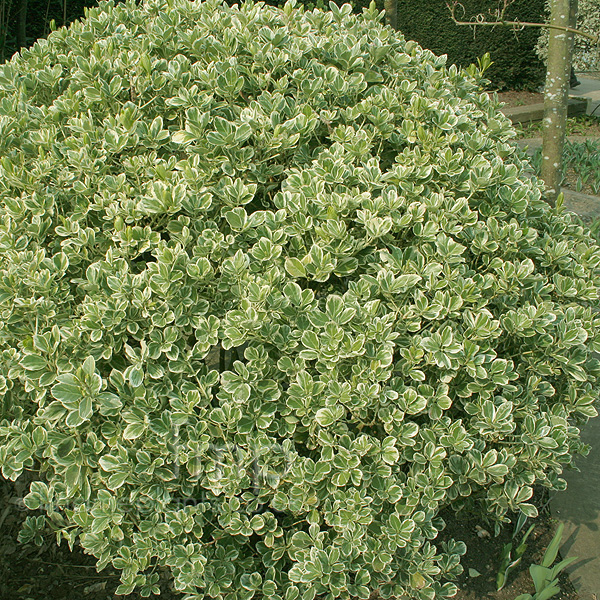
x,y
274,291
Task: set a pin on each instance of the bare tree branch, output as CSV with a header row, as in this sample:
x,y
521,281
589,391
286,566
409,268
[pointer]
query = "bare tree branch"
x,y
480,19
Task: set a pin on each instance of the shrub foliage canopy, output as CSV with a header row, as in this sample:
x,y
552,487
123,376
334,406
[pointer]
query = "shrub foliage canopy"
x,y
274,292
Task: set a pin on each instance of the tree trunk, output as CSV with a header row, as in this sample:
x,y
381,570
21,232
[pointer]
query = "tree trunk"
x,y
556,96
391,13
573,23
22,24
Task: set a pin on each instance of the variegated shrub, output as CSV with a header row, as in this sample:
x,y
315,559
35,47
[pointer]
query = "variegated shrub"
x,y
274,291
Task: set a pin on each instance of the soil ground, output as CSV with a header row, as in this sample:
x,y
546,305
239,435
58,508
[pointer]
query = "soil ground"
x,y
579,129
483,558
522,98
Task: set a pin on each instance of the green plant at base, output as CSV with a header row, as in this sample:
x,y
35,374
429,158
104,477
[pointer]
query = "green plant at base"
x,y
580,160
545,576
583,160
508,560
273,293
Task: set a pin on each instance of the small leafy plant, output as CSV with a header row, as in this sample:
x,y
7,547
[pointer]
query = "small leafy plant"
x,y
510,559
582,160
581,163
275,291
545,576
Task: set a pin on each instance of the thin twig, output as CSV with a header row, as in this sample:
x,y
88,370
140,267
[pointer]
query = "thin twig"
x,y
65,565
480,20
46,24
4,515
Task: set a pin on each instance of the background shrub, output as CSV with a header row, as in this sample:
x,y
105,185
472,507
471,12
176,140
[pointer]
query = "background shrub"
x,y
516,64
586,56
274,291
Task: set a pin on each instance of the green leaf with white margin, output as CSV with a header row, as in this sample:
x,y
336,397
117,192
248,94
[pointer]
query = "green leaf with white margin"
x,y
528,510
328,415
134,431
136,377
67,390
294,267
89,366
389,452
33,362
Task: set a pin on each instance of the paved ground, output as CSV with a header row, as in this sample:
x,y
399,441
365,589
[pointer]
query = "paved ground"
x,y
589,87
579,509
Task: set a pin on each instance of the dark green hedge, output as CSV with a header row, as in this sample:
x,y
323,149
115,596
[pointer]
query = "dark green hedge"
x,y
516,65
39,13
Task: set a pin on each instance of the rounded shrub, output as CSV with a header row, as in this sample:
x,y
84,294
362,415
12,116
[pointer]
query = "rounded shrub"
x,y
275,290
